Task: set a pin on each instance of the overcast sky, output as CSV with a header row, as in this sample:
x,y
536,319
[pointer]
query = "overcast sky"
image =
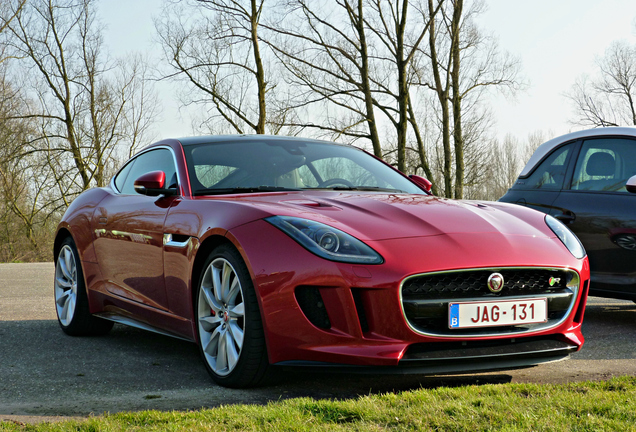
x,y
556,40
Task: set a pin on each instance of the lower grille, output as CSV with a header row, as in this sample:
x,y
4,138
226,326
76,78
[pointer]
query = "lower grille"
x,y
425,297
448,351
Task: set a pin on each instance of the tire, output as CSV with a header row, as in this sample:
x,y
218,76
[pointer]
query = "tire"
x,y
71,300
229,327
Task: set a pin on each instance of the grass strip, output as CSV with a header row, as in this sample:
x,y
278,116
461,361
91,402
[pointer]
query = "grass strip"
x,y
584,406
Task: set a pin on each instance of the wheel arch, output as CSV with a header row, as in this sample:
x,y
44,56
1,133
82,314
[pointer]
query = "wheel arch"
x,y
62,234
208,244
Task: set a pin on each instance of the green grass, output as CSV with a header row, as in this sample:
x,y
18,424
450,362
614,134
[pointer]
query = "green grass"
x,y
588,406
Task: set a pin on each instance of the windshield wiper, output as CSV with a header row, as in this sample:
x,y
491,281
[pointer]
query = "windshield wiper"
x,y
254,189
360,188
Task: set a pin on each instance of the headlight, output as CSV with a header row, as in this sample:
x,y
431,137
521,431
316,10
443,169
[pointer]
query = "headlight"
x,y
325,241
566,236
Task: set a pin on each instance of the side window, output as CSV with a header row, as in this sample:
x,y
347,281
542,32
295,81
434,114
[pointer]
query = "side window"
x,y
154,160
605,165
551,173
121,176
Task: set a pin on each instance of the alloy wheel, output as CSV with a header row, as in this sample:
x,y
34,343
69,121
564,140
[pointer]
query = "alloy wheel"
x,y
626,241
66,285
221,316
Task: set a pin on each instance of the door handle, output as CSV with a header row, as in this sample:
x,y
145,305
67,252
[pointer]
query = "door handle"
x,y
566,217
174,240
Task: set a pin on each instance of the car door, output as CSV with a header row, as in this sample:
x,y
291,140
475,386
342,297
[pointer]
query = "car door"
x,y
602,213
129,235
541,188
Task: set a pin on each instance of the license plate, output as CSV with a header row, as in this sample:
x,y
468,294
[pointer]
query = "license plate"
x,y
497,313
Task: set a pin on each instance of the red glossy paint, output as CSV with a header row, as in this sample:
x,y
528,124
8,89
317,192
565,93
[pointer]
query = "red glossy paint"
x,y
132,272
151,180
424,183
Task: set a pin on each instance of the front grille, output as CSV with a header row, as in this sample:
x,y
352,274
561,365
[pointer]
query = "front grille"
x,y
471,283
425,297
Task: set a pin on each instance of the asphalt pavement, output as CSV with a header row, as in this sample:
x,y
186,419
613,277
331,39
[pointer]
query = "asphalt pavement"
x,y
46,375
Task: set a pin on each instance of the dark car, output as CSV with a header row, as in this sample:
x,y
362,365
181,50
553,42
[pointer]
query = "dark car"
x,y
587,179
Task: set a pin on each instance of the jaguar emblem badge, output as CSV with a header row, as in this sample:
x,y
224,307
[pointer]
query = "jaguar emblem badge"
x,y
495,282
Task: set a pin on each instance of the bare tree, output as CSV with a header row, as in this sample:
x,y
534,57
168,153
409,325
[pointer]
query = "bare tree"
x,y
67,114
323,47
25,209
464,63
608,99
8,12
213,47
400,31
506,159
87,106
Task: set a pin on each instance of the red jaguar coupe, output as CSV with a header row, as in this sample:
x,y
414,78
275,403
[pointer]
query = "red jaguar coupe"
x,y
272,251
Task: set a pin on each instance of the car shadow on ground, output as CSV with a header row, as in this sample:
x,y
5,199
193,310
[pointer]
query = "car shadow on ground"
x,y
42,367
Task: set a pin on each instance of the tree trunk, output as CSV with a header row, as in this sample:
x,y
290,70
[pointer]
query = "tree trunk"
x,y
442,96
421,150
403,90
260,72
457,100
366,86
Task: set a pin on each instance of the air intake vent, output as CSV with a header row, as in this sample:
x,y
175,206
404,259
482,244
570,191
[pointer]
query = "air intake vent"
x,y
312,305
362,315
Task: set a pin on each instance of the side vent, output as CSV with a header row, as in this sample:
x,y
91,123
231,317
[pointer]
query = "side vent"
x,y
362,315
312,305
578,318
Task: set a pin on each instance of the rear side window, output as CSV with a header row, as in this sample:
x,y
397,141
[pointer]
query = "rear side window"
x,y
549,175
154,160
605,165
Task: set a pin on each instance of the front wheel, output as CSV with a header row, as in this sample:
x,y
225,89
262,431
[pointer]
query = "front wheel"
x,y
230,330
71,300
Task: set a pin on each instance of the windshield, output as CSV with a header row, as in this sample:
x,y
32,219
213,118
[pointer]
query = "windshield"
x,y
264,165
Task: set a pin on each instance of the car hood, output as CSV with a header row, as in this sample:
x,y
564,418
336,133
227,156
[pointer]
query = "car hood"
x,y
376,216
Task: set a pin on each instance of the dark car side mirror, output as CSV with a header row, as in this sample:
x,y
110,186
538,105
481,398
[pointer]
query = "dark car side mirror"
x,y
153,184
422,182
631,184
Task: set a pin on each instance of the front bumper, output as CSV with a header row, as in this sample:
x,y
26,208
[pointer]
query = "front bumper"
x,y
366,326
454,357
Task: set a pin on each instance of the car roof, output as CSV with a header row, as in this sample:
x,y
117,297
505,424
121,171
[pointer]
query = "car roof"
x,y
204,139
548,146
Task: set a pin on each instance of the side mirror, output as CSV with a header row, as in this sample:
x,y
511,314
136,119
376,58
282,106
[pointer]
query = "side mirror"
x,y
631,184
153,184
422,182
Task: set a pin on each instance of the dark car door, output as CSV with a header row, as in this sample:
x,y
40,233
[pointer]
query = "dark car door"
x,y
129,235
602,213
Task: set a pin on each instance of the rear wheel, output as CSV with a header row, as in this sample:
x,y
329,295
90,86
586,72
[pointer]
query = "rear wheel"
x,y
230,330
71,301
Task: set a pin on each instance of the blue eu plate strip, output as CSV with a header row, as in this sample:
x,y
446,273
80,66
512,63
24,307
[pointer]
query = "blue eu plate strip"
x,y
453,315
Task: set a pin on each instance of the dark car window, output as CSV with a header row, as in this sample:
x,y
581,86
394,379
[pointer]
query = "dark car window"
x,y
605,165
551,172
154,160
